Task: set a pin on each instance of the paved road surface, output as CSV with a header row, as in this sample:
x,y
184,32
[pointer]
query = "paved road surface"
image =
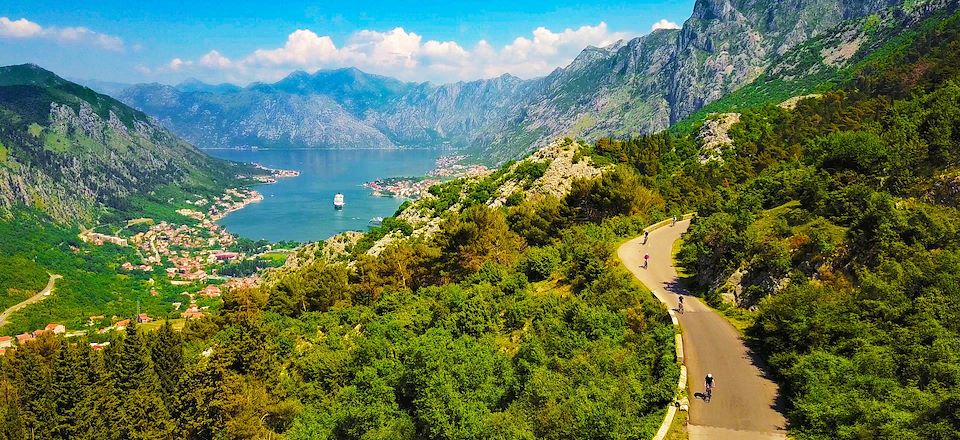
x,y
743,404
35,298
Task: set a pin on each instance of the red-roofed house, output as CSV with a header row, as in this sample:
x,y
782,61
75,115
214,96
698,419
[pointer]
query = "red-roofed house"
x,y
122,324
226,255
57,329
192,312
142,318
23,338
210,291
37,332
6,341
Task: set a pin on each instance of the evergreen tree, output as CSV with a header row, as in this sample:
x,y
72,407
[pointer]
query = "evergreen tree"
x,y
34,381
102,403
166,350
70,384
142,414
12,426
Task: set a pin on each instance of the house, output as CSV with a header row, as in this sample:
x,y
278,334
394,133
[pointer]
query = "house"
x,y
122,324
192,312
6,341
57,329
37,332
99,346
142,318
23,338
226,256
210,291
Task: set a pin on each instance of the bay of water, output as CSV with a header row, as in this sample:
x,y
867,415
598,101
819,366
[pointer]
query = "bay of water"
x,y
301,208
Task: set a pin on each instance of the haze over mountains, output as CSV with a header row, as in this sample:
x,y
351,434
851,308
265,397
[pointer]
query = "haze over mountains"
x,y
636,86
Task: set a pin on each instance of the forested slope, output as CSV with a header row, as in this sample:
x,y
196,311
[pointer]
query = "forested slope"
x,y
508,322
843,230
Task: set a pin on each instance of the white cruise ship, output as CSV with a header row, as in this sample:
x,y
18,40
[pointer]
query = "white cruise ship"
x,y
338,201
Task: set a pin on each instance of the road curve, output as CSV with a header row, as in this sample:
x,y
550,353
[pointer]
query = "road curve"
x,y
35,298
744,400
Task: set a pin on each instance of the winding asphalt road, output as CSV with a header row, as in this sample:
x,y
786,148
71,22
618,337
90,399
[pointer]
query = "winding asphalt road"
x,y
35,298
744,404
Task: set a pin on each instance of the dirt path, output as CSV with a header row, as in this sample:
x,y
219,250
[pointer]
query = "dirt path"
x,y
33,299
744,401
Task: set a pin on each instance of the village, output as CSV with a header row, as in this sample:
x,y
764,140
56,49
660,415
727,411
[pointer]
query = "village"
x,y
185,255
446,167
402,187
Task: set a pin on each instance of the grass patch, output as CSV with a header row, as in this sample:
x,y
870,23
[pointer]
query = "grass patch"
x,y
277,256
741,319
678,429
554,286
177,324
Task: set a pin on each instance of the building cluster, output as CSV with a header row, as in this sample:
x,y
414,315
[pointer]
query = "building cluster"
x,y
232,200
187,249
188,253
99,239
23,338
451,166
273,176
406,188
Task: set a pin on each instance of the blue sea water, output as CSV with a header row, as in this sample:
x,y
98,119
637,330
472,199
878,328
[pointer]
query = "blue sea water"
x,y
301,208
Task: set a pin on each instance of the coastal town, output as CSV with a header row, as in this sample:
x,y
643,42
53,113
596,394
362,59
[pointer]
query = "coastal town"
x,y
184,256
445,168
188,255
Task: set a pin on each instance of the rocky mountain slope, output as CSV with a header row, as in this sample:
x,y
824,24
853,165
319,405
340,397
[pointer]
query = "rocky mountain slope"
x,y
637,86
68,151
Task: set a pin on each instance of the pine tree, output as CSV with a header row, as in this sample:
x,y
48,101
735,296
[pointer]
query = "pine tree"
x,y
70,385
36,399
166,350
12,426
102,403
142,413
199,405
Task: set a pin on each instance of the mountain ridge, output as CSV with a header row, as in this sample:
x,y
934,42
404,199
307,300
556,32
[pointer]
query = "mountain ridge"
x,y
69,151
641,85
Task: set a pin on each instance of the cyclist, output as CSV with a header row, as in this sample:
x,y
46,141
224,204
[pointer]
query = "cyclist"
x,y
709,383
646,236
646,260
674,221
680,306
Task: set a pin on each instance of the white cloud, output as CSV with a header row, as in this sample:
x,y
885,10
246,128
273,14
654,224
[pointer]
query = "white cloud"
x,y
24,29
215,60
177,64
405,55
21,28
664,24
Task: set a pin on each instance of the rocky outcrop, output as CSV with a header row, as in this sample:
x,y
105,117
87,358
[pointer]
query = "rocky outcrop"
x,y
565,163
714,136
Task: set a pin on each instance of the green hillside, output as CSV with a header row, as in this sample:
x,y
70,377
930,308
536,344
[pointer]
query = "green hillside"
x,y
75,154
494,309
72,159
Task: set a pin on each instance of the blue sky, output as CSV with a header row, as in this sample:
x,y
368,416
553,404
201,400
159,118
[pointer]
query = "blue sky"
x,y
243,41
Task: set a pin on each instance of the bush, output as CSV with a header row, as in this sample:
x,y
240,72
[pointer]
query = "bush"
x,y
539,263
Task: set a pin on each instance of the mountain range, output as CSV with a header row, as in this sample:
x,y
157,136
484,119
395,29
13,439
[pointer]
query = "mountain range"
x,y
638,86
68,151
